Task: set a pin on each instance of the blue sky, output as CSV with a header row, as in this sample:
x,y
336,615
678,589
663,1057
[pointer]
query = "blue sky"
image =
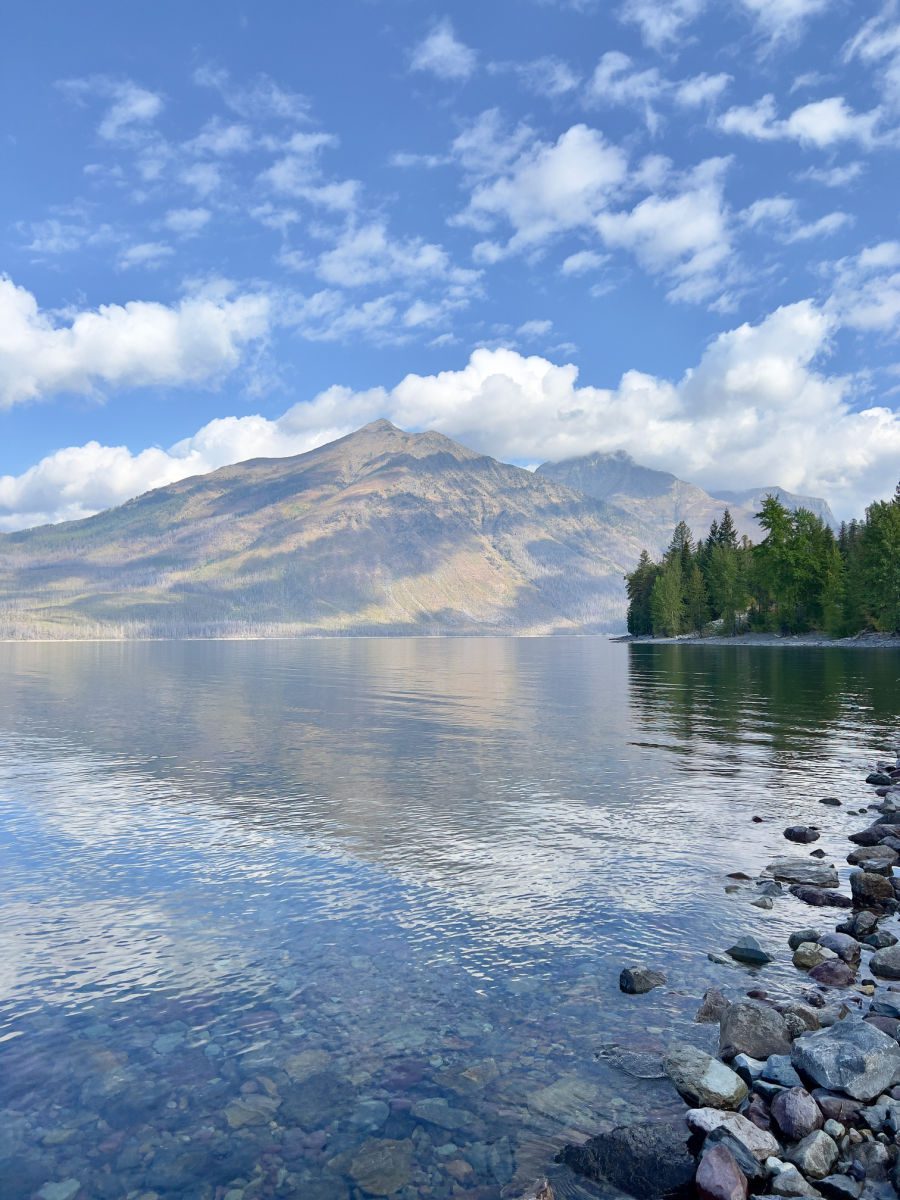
x,y
543,228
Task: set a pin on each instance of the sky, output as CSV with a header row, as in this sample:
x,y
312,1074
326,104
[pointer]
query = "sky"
x,y
542,227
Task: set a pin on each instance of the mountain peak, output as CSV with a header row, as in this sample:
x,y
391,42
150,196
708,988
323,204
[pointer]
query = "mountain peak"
x,y
382,425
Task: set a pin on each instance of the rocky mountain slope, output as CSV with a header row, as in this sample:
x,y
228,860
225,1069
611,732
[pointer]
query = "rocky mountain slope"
x,y
381,531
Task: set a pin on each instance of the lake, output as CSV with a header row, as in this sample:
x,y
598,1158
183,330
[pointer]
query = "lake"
x,y
329,918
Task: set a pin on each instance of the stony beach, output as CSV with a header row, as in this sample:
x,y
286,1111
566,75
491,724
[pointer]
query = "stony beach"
x,y
802,1097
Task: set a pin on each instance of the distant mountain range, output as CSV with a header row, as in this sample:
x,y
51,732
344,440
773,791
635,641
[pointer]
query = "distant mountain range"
x,y
379,532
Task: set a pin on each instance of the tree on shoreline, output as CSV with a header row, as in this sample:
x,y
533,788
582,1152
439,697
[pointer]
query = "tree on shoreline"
x,y
798,578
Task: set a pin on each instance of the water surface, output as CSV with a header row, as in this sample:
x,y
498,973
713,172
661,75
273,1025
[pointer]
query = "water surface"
x,y
291,918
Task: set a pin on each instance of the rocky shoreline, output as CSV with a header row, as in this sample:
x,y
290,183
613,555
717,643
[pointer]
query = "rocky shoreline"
x,y
815,641
803,1097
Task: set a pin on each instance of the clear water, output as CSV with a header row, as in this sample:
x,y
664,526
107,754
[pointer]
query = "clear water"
x,y
291,919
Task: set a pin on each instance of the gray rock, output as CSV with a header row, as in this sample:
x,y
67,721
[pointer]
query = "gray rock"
x,y
635,981
831,801
802,870
382,1166
778,1069
434,1110
803,935
748,1163
702,1080
796,1113
749,1027
869,889
710,1011
884,854
647,1161
787,1181
719,1177
851,1057
886,963
760,1143
834,973
814,1155
820,897
803,834
843,945
748,1068
840,1187
810,954
66,1189
541,1189
748,950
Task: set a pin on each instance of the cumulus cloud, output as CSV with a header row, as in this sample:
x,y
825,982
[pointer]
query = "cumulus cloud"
x,y
137,344
757,409
823,123
442,54
866,289
661,22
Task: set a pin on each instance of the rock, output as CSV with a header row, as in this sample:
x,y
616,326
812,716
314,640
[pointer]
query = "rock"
x,y
804,834
831,801
859,925
810,954
834,1129
787,1180
760,1143
875,834
869,889
634,981
382,1166
434,1110
880,939
804,1013
67,1189
710,1011
778,1069
844,946
850,1057
872,854
834,973
878,777
757,1111
647,1161
820,897
796,1113
840,1187
801,870
749,1027
251,1110
748,1068
748,950
752,1168
803,935
763,902
836,1106
886,963
702,1080
719,1177
814,1155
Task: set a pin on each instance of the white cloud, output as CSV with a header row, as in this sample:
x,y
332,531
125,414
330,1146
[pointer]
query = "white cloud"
x,y
130,110
144,254
583,261
783,20
261,100
683,235
203,178
368,254
548,76
429,161
617,81
534,328
298,173
822,124
442,54
878,42
756,409
701,89
187,221
220,138
866,289
661,22
549,189
782,213
835,177
137,344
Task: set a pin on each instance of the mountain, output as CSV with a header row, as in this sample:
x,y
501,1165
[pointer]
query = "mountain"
x,y
658,500
379,532
752,499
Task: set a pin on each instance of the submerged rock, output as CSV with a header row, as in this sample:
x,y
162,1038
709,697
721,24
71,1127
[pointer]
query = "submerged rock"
x,y
702,1080
382,1166
714,1005
802,834
750,1027
634,981
648,1161
851,1056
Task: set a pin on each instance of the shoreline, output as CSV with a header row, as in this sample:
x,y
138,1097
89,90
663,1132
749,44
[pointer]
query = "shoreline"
x,y
814,641
802,1097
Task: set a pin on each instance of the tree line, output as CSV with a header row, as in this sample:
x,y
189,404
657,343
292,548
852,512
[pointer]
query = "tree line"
x,y
801,577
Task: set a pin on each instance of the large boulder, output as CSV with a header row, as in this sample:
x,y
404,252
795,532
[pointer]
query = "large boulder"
x,y
648,1161
804,870
810,954
844,946
850,1056
886,963
759,1142
719,1177
749,1027
796,1113
702,1080
820,897
870,890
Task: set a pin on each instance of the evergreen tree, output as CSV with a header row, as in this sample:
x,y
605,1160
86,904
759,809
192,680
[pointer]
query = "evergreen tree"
x,y
639,587
695,601
880,561
666,600
726,534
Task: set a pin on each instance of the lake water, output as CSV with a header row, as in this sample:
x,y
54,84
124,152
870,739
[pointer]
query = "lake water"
x,y
295,919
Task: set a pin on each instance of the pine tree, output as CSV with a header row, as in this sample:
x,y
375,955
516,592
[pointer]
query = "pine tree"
x,y
639,588
666,600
